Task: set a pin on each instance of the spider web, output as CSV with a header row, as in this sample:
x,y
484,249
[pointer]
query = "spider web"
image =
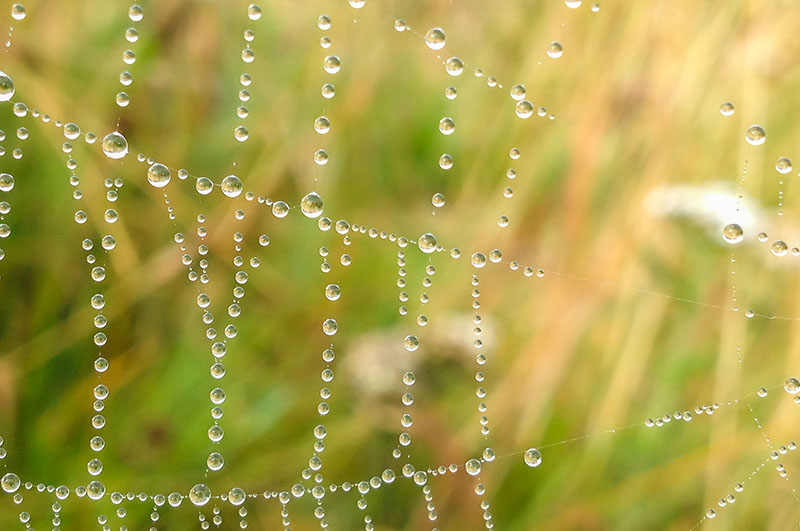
x,y
371,353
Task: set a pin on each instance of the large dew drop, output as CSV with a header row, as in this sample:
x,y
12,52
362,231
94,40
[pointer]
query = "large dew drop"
x,y
473,467
435,38
732,233
158,175
311,205
6,182
115,146
6,87
231,186
200,494
10,482
532,457
427,243
792,385
755,135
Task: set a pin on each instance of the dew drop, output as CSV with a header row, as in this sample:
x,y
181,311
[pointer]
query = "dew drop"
x,y
473,467
253,12
447,126
555,50
524,109
517,92
115,146
231,186
427,243
280,209
204,186
478,260
332,64
135,13
783,165
10,482
18,12
446,161
6,87
726,109
333,292
434,39
779,248
311,205
200,494
411,343
791,385
454,66
158,175
732,233
755,135
6,182
532,457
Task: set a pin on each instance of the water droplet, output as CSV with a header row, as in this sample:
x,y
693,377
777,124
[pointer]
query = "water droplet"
x,y
427,243
10,482
324,22
726,109
473,467
199,494
779,248
6,182
478,260
158,175
435,38
240,132
115,146
454,66
555,50
322,125
6,87
573,4
755,135
783,165
438,200
732,233
332,64
517,92
446,161
253,12
280,209
330,327
411,343
792,385
311,205
333,292
532,457
447,126
524,109
231,186
18,12
204,186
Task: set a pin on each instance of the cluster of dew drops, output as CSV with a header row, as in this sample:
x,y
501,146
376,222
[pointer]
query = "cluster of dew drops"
x,y
115,146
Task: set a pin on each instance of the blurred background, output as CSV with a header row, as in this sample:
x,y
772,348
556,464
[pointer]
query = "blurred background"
x,y
619,199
